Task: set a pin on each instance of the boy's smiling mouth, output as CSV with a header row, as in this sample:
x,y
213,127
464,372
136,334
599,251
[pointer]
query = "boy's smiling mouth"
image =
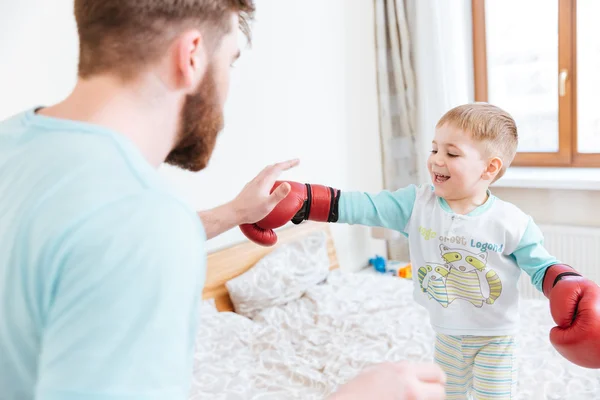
x,y
440,178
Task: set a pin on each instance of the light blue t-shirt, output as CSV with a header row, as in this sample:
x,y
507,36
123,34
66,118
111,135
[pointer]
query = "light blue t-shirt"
x,y
101,267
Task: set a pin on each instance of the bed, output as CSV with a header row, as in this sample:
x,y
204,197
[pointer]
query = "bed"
x,y
301,326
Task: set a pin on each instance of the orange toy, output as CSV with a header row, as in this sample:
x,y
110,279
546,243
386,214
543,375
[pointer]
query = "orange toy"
x,y
405,272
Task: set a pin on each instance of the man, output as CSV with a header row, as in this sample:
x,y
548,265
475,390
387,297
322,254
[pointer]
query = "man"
x,y
101,267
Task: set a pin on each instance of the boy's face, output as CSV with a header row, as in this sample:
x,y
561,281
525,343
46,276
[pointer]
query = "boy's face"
x,y
457,164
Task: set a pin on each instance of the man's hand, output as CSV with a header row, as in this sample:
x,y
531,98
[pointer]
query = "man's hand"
x,y
395,381
253,203
304,202
255,200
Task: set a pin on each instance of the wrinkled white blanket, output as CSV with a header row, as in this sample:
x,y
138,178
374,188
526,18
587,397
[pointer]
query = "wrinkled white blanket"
x,y
304,349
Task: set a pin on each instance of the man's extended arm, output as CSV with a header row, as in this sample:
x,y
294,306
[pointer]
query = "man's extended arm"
x,y
253,203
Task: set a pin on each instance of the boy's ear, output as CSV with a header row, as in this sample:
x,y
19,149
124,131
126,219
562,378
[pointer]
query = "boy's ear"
x,y
493,168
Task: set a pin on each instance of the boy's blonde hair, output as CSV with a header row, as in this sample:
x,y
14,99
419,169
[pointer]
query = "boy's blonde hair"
x,y
489,124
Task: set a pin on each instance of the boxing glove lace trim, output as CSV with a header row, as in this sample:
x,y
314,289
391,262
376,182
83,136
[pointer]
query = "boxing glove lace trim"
x,y
560,276
552,277
304,213
333,209
308,201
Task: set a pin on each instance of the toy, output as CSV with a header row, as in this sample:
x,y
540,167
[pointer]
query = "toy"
x,y
393,268
405,272
378,263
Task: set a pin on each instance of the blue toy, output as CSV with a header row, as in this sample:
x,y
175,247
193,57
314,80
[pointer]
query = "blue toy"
x,y
393,268
378,263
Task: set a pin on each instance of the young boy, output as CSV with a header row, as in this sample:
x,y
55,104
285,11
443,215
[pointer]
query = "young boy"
x,y
467,250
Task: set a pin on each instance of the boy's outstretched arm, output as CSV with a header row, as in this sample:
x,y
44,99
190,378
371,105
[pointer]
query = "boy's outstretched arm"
x,y
320,203
574,300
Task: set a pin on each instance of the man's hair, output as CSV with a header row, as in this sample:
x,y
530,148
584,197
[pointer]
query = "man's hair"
x,y
123,36
489,124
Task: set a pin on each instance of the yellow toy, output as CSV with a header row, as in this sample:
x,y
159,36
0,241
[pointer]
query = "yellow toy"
x,y
405,272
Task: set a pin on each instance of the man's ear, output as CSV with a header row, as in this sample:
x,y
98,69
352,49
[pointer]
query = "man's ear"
x,y
190,59
493,168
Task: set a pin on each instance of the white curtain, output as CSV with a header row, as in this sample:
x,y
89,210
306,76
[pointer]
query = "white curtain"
x,y
442,50
424,68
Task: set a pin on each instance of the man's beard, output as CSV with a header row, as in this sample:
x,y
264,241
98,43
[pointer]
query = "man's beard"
x,y
200,123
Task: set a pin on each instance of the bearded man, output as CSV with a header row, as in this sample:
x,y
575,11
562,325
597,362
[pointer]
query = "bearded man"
x,y
101,266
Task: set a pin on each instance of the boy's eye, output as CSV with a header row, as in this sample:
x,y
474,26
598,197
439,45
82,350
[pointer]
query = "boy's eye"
x,y
433,151
452,155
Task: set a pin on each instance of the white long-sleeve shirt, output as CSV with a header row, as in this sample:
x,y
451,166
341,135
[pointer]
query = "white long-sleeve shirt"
x,y
465,267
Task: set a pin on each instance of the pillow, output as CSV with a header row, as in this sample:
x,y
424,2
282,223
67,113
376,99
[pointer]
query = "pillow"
x,y
281,276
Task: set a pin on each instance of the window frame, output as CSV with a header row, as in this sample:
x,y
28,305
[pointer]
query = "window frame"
x,y
567,154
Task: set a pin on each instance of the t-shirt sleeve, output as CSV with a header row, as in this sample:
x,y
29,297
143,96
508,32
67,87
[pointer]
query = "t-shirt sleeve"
x,y
121,320
386,209
531,255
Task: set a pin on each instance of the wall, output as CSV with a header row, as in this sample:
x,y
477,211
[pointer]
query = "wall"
x,y
38,53
554,206
306,88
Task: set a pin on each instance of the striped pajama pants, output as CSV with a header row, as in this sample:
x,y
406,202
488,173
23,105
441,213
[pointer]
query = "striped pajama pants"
x,y
478,367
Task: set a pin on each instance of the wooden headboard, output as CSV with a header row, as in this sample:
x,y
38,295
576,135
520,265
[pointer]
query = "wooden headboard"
x,y
226,264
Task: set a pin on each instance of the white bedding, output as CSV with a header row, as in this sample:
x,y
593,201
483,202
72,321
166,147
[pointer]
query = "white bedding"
x,y
304,349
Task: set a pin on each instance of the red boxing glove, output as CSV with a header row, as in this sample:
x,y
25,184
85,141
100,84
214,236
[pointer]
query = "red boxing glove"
x,y
304,202
575,307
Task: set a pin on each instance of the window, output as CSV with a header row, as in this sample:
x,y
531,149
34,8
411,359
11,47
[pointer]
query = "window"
x,y
540,61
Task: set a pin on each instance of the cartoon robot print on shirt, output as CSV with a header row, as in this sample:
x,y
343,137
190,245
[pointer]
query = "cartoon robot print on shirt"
x,y
468,278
